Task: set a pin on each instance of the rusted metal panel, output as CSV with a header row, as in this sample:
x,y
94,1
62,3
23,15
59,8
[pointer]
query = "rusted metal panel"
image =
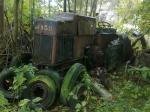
x,y
65,48
53,27
84,29
44,32
53,50
53,42
66,22
42,52
102,40
80,43
45,27
65,27
86,25
63,38
83,25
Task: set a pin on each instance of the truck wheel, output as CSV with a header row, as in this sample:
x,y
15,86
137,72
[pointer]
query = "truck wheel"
x,y
43,87
53,75
6,81
79,94
73,76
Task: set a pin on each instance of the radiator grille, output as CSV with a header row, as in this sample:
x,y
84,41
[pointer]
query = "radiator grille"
x,y
65,48
43,49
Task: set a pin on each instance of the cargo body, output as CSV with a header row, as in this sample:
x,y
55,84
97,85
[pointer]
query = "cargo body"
x,y
62,39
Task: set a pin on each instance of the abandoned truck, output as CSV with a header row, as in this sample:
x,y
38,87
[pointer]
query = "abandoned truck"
x,y
59,45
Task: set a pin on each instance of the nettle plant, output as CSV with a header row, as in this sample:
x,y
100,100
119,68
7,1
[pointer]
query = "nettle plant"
x,y
141,72
22,75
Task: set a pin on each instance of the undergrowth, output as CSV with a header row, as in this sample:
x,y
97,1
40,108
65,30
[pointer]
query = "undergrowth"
x,y
128,96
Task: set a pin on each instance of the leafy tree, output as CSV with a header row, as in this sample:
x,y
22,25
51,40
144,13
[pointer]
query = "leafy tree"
x,y
136,13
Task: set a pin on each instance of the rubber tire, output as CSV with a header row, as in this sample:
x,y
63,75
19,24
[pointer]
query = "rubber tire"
x,y
21,59
48,87
5,75
77,90
53,75
74,74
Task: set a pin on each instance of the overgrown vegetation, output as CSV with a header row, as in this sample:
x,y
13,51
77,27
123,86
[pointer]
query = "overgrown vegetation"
x,y
128,96
131,90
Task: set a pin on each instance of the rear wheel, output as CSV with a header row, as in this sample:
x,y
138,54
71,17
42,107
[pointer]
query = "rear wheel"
x,y
53,75
43,87
6,82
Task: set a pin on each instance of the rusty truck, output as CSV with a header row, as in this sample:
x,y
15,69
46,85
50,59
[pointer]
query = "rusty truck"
x,y
58,44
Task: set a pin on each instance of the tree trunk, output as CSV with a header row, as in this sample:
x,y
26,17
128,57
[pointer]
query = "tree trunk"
x,y
81,7
16,18
49,8
92,7
1,17
21,14
69,5
86,8
32,16
75,5
65,5
95,7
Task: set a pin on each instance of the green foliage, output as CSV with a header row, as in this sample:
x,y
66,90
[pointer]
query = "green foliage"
x,y
140,72
147,106
129,97
25,69
23,104
81,107
87,79
5,106
27,105
3,100
19,82
144,16
136,13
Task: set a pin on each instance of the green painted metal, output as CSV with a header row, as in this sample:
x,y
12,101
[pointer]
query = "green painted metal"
x,y
74,75
44,87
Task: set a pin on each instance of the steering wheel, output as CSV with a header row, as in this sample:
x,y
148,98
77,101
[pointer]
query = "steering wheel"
x,y
103,24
